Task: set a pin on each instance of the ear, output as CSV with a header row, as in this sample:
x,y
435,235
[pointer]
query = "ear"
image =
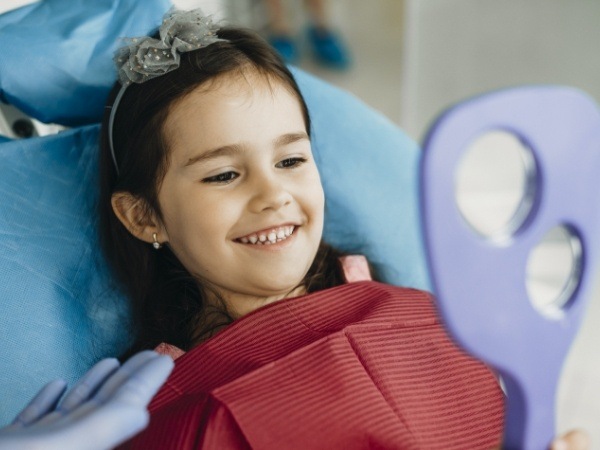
x,y
138,217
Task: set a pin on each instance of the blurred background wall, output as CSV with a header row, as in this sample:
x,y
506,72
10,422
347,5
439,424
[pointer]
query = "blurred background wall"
x,y
412,58
373,31
457,48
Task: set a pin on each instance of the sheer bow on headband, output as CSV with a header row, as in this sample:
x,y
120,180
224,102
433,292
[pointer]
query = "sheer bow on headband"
x,y
144,58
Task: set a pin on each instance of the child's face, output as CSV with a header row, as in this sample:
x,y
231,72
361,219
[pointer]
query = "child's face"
x,y
241,169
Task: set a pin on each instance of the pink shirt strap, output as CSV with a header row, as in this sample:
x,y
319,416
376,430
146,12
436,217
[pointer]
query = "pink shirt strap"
x,y
356,268
169,350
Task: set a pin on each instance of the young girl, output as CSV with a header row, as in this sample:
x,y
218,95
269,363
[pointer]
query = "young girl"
x,y
212,215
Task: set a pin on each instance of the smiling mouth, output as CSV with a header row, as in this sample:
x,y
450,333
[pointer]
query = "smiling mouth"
x,y
268,237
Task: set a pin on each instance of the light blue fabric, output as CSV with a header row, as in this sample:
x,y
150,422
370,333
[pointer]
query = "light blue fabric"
x,y
56,56
58,309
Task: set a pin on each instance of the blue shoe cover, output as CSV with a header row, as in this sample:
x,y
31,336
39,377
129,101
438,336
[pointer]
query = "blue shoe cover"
x,y
328,48
285,46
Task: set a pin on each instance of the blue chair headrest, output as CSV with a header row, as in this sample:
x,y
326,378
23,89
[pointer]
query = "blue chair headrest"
x,y
60,311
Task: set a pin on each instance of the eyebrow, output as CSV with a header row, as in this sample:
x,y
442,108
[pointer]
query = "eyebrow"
x,y
226,150
234,149
290,138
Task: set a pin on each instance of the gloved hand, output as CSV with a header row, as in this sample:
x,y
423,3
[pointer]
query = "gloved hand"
x,y
106,407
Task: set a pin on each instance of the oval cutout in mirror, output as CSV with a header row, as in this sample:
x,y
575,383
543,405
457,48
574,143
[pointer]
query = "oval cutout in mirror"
x,y
553,271
495,184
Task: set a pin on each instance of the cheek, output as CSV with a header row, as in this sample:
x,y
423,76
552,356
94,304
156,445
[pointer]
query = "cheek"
x,y
191,226
315,197
197,219
181,214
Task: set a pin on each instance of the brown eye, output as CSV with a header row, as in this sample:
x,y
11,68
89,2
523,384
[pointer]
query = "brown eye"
x,y
224,178
290,163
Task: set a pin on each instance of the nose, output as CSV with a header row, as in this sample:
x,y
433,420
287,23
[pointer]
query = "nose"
x,y
269,192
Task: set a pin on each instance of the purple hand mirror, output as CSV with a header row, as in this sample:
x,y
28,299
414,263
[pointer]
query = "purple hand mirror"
x,y
481,278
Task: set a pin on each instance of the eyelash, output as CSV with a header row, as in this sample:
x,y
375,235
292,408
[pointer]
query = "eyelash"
x,y
228,177
295,162
222,178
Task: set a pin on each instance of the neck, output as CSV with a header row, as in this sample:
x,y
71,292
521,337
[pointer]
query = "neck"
x,y
238,305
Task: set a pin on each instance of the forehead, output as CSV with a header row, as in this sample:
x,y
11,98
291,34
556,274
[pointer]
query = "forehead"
x,y
233,104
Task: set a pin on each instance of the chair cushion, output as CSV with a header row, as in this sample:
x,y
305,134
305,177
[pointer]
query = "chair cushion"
x,y
59,311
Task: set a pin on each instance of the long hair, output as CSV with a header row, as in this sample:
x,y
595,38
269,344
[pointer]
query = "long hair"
x,y
167,303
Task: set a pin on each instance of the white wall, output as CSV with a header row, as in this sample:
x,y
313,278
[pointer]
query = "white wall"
x,y
8,5
457,48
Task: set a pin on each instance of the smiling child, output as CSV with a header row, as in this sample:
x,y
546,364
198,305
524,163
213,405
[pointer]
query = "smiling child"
x,y
212,215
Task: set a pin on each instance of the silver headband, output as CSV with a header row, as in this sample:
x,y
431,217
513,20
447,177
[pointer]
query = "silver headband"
x,y
144,58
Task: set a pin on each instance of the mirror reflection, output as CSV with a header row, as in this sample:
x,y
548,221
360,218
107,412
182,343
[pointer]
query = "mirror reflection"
x,y
553,271
495,184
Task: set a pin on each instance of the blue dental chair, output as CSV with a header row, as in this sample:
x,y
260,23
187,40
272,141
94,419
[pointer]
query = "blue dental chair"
x,y
60,310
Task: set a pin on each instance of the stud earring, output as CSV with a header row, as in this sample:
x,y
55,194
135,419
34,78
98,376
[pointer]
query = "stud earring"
x,y
156,244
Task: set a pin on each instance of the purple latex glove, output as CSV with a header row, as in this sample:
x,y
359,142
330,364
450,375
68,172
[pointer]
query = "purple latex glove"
x,y
106,407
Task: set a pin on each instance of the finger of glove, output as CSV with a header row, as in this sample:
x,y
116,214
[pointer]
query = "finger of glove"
x,y
89,384
144,383
125,413
83,390
44,402
133,395
123,374
136,392
104,427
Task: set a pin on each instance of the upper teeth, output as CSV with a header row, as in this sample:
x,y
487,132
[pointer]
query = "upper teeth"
x,y
268,237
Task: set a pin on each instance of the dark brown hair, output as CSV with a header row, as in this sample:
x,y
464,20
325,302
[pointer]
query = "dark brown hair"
x,y
167,303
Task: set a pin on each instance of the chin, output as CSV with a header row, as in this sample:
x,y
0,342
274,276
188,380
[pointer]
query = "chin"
x,y
281,289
